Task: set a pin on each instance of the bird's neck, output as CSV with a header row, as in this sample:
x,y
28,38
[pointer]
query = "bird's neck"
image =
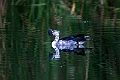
x,y
56,38
55,41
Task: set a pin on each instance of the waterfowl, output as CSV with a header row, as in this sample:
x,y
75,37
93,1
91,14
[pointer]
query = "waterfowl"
x,y
72,43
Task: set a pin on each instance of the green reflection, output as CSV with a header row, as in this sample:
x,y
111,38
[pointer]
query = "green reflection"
x,y
25,44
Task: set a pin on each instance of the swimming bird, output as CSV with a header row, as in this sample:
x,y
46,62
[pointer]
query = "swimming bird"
x,y
72,43
69,41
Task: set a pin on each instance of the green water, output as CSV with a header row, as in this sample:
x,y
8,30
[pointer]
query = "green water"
x,y
25,44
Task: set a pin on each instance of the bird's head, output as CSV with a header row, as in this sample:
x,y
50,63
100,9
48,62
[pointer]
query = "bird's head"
x,y
53,32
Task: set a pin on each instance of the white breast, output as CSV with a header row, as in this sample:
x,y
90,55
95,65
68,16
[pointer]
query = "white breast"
x,y
54,44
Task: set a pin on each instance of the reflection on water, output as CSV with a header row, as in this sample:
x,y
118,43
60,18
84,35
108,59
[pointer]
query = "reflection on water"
x,y
25,55
75,51
73,44
25,44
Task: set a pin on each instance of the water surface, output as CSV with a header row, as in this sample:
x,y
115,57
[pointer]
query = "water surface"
x,y
25,44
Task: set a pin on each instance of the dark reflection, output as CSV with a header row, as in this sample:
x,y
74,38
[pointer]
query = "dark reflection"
x,y
73,44
75,51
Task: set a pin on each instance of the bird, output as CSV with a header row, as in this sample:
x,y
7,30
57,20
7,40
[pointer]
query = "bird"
x,y
73,44
78,39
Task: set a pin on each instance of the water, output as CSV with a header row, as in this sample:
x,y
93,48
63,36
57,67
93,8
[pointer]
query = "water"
x,y
25,45
26,56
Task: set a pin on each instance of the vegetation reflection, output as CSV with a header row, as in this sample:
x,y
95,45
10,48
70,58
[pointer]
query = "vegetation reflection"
x,y
25,44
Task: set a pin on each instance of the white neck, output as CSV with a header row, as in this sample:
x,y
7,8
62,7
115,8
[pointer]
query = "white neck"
x,y
56,38
55,41
57,55
56,34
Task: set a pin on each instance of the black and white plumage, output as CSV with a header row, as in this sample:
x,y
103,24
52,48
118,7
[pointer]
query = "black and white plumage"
x,y
72,43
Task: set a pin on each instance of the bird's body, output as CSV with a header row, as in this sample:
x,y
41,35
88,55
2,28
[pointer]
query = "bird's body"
x,y
70,43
